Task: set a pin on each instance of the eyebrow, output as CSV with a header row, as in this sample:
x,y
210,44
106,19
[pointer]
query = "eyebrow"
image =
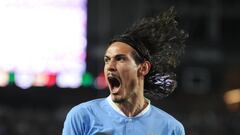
x,y
118,55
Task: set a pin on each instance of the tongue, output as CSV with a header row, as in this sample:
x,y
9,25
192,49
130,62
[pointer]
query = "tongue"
x,y
115,89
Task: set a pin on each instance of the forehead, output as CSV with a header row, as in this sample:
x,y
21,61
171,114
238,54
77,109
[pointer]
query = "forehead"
x,y
119,48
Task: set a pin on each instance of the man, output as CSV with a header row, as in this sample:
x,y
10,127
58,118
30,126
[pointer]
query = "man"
x,y
138,63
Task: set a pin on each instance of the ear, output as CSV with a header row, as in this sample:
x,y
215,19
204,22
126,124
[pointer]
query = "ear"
x,y
144,68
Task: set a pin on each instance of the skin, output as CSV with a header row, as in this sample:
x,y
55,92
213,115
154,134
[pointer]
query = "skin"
x,y
129,96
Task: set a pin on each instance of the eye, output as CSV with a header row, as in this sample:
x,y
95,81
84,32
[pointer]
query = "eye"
x,y
106,59
120,58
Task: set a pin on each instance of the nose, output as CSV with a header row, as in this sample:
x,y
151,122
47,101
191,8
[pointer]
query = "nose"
x,y
111,66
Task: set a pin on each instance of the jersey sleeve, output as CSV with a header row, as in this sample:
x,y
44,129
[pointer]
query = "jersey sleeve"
x,y
179,130
73,124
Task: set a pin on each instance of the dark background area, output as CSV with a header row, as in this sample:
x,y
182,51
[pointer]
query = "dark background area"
x,y
211,67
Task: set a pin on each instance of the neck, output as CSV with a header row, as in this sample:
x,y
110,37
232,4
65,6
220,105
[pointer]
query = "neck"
x,y
133,106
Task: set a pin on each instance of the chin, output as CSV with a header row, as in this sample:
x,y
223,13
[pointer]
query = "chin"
x,y
118,99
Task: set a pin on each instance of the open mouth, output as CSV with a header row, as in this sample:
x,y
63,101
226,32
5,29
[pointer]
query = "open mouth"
x,y
114,83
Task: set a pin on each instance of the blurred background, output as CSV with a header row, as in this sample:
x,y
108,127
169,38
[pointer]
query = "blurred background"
x,y
51,59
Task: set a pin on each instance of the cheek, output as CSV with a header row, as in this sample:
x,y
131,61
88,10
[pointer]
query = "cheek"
x,y
105,72
132,85
104,69
128,73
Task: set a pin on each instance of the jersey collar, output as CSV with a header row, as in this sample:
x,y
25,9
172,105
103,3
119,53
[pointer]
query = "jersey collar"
x,y
118,110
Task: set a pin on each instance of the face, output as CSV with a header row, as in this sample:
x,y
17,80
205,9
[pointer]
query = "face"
x,y
121,72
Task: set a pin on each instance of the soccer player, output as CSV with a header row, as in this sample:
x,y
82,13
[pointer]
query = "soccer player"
x,y
138,63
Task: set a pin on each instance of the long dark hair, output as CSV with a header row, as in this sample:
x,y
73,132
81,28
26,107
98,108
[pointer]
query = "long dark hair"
x,y
158,40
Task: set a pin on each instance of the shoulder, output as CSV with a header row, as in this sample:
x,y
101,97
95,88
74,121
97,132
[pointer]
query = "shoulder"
x,y
161,113
78,118
83,111
86,107
168,119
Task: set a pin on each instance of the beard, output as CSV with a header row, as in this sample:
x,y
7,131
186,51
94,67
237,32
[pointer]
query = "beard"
x,y
121,99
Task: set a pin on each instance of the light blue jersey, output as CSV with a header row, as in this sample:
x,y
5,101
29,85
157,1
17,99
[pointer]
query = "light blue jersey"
x,y
101,117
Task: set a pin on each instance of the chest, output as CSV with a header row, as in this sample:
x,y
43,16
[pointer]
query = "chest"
x,y
126,126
